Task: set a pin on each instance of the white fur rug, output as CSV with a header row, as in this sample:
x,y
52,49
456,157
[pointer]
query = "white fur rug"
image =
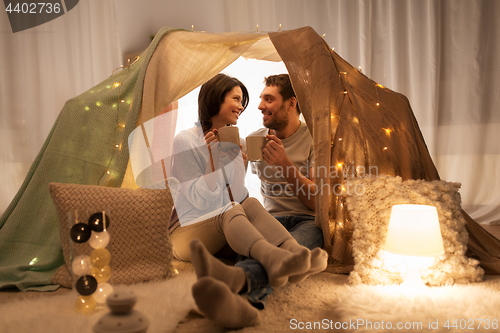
x,y
315,305
163,303
455,308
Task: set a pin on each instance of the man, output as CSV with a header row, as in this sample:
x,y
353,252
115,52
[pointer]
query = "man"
x,y
288,189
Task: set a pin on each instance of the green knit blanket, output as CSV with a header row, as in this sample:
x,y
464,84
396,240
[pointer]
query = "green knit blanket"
x,y
87,145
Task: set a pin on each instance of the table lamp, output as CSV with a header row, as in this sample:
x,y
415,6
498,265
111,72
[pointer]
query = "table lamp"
x,y
414,232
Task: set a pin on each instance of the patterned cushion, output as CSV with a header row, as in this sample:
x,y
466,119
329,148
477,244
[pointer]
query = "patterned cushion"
x,y
139,243
369,210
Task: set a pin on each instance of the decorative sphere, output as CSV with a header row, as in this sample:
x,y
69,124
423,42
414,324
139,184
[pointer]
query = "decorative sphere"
x,y
86,285
85,304
96,222
99,240
101,274
81,265
80,233
100,257
102,292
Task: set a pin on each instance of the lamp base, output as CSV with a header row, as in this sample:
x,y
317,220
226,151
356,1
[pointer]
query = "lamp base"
x,y
413,279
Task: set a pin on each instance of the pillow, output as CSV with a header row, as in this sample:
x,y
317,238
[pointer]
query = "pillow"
x,y
369,210
139,243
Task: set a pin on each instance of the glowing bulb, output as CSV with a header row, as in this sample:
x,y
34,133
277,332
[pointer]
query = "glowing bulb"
x,y
192,27
123,101
87,108
257,27
339,165
107,172
385,148
117,146
378,103
279,27
34,261
117,84
379,85
345,92
323,36
98,103
388,131
340,139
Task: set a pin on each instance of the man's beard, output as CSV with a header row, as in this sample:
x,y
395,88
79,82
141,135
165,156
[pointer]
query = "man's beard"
x,y
279,120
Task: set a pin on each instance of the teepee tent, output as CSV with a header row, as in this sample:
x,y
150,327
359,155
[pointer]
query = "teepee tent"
x,y
89,143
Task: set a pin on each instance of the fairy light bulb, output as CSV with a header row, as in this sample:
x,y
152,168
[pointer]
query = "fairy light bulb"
x,y
85,304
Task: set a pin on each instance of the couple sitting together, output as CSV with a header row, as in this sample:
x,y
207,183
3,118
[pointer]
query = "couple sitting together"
x,y
276,244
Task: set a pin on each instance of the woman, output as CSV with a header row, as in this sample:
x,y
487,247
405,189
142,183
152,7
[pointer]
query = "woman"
x,y
214,210
209,177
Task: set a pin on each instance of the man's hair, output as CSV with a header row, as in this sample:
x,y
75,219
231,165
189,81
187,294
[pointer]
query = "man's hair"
x,y
282,81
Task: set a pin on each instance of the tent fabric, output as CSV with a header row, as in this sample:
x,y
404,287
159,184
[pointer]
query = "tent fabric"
x,y
359,128
89,141
87,145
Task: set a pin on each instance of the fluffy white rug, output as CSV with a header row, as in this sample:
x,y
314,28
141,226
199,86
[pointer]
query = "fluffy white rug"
x,y
457,308
163,303
324,300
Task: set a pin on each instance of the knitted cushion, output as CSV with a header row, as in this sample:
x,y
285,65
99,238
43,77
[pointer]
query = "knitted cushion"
x,y
369,209
140,246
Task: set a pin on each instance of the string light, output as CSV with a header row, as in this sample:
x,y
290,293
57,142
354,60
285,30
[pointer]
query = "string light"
x,y
117,84
385,148
323,36
279,29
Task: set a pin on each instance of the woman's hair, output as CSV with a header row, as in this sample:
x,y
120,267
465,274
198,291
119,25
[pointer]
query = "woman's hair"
x,y
212,95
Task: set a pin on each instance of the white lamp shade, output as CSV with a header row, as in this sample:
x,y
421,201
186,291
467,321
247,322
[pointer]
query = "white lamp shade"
x,y
414,231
